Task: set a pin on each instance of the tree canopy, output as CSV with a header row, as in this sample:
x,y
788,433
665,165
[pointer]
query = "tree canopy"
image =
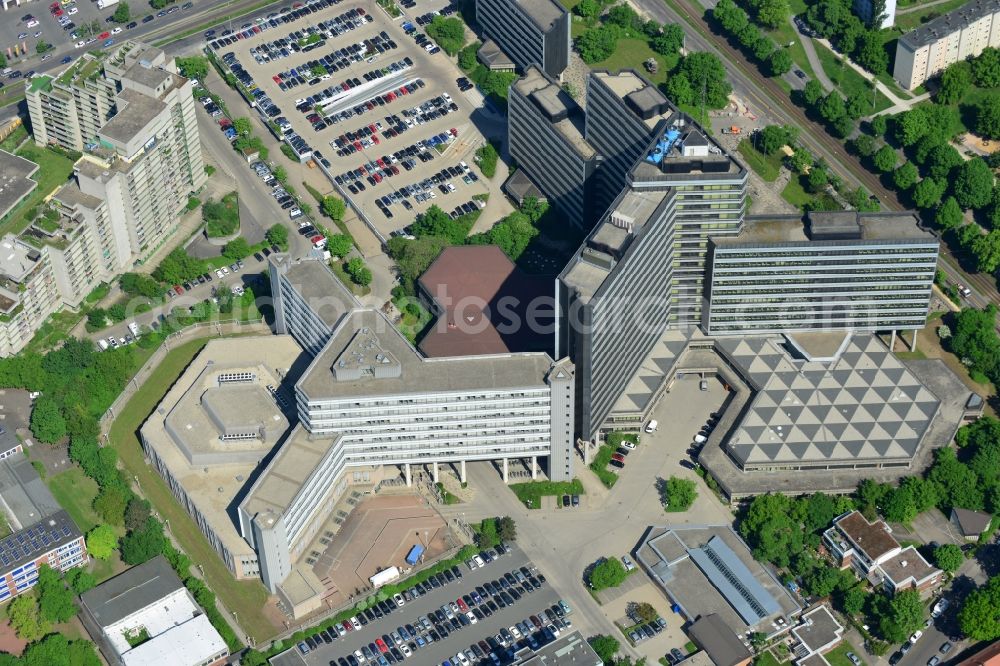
x,y
610,572
979,617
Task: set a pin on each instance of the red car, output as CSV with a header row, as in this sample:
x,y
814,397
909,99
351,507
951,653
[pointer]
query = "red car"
x,y
462,605
619,457
179,289
57,12
380,644
104,35
454,132
347,625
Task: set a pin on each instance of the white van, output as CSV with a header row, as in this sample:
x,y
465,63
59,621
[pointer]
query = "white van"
x,y
103,344
652,426
700,439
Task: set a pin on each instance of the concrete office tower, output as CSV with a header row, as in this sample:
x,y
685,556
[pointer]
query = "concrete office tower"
x,y
309,300
369,401
952,37
829,271
641,270
711,199
623,109
545,137
529,32
865,8
144,158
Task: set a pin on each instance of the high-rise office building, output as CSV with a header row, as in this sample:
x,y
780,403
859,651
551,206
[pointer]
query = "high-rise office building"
x,y
846,271
529,32
133,116
545,130
953,37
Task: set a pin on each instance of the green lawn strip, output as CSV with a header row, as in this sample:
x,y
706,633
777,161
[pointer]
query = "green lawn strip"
x,y
337,266
795,194
246,597
838,655
784,35
55,170
767,167
14,139
847,78
767,659
448,497
531,493
75,492
631,53
599,465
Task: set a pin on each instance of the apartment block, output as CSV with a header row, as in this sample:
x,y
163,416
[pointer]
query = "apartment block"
x,y
962,33
527,32
309,300
28,293
133,116
827,271
865,9
545,133
875,555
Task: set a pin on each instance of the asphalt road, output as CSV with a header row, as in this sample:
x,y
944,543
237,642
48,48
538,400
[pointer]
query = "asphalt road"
x,y
437,652
973,573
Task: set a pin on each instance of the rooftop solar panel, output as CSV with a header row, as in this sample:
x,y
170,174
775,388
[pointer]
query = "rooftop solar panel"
x,y
734,581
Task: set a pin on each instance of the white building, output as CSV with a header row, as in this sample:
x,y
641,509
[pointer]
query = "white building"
x,y
960,34
146,617
864,8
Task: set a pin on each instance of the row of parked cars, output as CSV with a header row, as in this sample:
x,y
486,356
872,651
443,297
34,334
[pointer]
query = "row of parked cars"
x,y
340,92
395,124
381,167
311,37
314,71
272,20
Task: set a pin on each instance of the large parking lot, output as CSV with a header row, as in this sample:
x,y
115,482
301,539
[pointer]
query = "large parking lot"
x,y
502,607
368,99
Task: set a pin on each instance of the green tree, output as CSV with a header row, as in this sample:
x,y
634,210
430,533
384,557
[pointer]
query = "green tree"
x,y
853,600
55,600
43,47
955,82
606,647
506,529
236,249
448,32
110,503
706,73
123,13
986,68
772,528
948,557
467,56
928,193
870,53
333,207
899,506
864,145
80,580
140,285
959,485
987,251
47,422
339,245
905,176
194,67
772,13
144,544
117,312
25,618
597,44
885,159
97,319
942,160
980,614
780,62
242,125
813,92
901,616
607,573
277,234
911,126
949,214
773,137
102,541
680,90
973,184
817,180
669,41
679,494
858,104
879,125
588,9
820,510
988,117
136,512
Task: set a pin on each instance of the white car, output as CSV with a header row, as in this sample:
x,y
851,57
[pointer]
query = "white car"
x,y
355,622
72,10
652,426
479,561
398,598
117,30
32,23
940,607
514,631
405,649
472,618
628,563
628,445
916,637
462,659
219,273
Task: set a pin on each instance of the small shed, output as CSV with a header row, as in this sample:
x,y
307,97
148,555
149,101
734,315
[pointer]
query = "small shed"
x,y
970,524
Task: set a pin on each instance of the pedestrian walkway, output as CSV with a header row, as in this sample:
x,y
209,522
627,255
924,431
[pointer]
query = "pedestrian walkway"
x,y
811,55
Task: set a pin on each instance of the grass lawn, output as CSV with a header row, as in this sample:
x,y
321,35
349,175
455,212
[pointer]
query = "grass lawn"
x,y
531,493
847,79
248,597
786,34
838,655
356,289
75,492
14,139
600,465
766,166
768,659
631,53
55,171
795,194
54,330
910,20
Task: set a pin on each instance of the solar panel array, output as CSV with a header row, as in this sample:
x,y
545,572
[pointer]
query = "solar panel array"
x,y
31,543
734,581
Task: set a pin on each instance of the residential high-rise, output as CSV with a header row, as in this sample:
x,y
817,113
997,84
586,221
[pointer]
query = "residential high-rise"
x,y
133,116
529,32
846,271
958,35
545,137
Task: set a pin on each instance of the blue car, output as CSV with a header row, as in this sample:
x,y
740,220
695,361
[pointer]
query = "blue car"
x,y
109,43
67,60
